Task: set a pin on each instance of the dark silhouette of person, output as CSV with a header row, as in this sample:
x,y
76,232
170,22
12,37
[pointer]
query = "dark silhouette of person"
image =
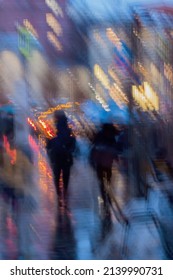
x,y
60,151
103,153
7,130
123,145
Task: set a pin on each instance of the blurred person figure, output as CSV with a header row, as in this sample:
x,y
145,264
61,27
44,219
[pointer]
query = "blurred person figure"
x,y
18,181
9,128
60,151
162,164
103,153
123,145
6,127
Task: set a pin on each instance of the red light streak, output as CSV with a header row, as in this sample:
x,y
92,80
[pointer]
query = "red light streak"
x,y
47,128
32,124
10,152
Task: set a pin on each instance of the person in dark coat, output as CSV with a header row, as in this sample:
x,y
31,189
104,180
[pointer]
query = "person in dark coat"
x,y
123,145
60,151
103,153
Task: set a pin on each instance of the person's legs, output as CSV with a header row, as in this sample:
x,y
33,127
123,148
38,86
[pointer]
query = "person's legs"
x,y
57,173
108,172
66,176
103,174
100,175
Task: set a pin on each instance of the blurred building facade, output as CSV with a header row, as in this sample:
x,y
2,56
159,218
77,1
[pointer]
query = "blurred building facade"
x,y
120,55
47,21
41,35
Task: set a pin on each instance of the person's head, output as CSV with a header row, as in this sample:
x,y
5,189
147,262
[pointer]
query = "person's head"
x,y
109,130
60,119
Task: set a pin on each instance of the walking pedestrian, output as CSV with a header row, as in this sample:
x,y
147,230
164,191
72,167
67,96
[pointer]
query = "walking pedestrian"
x,y
60,151
103,153
18,181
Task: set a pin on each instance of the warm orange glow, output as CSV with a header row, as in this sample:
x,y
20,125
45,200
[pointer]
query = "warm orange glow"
x,y
31,123
58,107
10,152
146,97
46,128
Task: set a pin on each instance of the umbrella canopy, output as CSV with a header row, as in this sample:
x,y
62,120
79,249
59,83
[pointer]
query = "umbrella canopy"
x,y
97,114
8,108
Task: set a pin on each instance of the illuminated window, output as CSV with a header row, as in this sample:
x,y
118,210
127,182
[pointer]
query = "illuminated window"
x,y
54,24
101,76
146,97
113,37
30,28
53,39
54,6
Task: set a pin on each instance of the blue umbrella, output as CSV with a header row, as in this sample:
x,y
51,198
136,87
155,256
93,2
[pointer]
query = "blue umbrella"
x,y
8,108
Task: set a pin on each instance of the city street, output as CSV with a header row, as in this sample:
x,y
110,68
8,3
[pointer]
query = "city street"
x,y
76,231
86,130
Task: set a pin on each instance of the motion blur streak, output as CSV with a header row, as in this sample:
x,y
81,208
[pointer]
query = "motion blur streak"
x,y
86,129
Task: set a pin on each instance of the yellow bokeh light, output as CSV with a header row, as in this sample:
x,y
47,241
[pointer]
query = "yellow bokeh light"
x,y
53,39
30,28
101,76
113,37
54,6
54,24
146,97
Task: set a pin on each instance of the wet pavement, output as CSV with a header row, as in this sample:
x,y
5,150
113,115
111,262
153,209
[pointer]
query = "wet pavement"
x,y
40,229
